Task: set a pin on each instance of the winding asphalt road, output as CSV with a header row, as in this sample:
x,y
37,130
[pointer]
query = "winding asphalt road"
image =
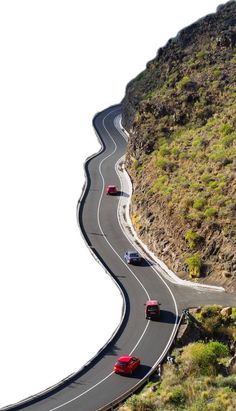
x,y
96,385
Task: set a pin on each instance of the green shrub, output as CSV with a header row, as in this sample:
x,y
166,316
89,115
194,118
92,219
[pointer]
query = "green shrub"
x,y
158,183
219,155
217,72
206,178
162,141
227,140
184,83
229,381
199,203
201,54
210,311
166,190
177,396
210,318
172,78
222,177
175,151
226,129
211,122
138,403
195,186
164,150
215,84
197,142
233,315
200,358
191,237
210,212
220,186
199,405
212,184
196,360
136,164
219,349
187,202
162,163
219,199
184,155
194,265
195,216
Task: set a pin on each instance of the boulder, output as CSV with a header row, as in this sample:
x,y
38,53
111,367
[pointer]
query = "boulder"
x,y
226,311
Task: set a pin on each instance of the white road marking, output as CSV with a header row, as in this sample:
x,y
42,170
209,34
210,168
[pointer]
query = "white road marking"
x,y
99,224
83,393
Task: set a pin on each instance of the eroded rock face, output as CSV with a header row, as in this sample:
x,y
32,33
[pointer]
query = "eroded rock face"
x,y
181,116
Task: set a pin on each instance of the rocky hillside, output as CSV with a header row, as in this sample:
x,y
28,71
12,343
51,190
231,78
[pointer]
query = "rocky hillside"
x,y
181,116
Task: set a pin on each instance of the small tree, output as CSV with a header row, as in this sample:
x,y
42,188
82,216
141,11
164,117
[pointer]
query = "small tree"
x,y
194,265
191,237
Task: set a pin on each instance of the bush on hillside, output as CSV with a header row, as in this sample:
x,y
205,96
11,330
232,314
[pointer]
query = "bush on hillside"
x,y
202,359
191,237
194,265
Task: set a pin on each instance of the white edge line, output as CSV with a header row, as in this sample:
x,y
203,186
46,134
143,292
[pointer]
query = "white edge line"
x,y
98,218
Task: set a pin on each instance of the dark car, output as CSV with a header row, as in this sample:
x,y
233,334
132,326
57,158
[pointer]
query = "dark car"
x,y
111,189
132,257
126,365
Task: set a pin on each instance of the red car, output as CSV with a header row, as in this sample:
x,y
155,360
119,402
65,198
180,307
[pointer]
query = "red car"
x,y
111,189
126,365
152,309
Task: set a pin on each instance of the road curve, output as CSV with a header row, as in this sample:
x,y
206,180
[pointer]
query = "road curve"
x,y
96,385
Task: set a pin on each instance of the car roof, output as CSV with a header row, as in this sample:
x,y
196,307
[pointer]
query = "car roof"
x,y
152,302
125,358
132,252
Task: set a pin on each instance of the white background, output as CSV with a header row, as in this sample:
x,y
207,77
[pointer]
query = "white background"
x,y
61,62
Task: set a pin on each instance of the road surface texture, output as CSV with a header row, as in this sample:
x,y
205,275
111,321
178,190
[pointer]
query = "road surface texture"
x,y
96,385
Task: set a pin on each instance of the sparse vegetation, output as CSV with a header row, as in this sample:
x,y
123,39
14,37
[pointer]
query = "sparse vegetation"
x,y
181,115
201,377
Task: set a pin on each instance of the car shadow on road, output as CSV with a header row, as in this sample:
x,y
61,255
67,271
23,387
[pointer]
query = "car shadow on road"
x,y
143,264
122,194
146,263
168,317
141,372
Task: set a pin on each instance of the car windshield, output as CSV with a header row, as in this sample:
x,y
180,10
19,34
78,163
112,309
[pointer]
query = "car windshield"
x,y
122,363
152,308
134,255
